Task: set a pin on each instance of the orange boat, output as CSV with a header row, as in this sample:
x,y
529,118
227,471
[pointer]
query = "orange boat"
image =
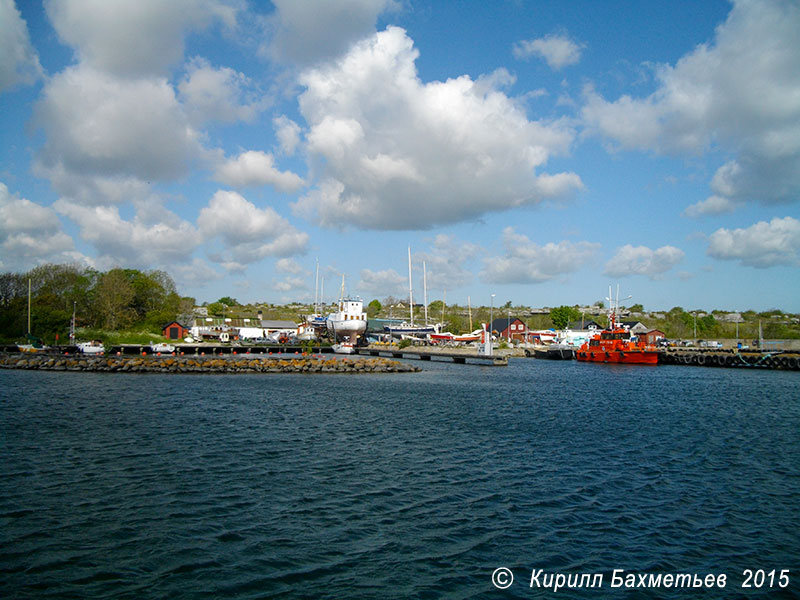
x,y
615,344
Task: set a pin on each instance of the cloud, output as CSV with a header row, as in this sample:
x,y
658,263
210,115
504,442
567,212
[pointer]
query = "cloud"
x,y
713,205
248,233
762,245
289,265
288,134
736,95
402,154
134,39
641,260
525,261
218,94
446,262
98,124
31,234
386,283
19,63
254,168
140,243
307,31
557,49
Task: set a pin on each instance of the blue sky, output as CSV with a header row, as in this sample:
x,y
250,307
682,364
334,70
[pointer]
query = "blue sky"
x,y
538,151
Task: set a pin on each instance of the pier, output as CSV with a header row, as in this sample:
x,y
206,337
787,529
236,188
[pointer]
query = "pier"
x,y
775,359
427,353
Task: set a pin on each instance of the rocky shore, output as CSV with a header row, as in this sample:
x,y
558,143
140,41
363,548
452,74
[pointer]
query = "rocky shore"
x,y
195,364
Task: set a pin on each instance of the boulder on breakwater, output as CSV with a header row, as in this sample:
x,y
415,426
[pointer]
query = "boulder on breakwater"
x,y
195,364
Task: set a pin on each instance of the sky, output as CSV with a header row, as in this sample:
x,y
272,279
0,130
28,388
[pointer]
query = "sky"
x,y
531,152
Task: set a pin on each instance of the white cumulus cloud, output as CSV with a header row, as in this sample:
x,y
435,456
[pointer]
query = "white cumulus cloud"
x,y
557,49
219,94
249,233
737,95
19,63
307,31
134,39
98,124
31,234
257,168
387,282
764,244
403,154
525,261
641,260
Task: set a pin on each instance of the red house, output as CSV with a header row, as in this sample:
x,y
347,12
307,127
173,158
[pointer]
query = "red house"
x,y
652,336
174,331
510,328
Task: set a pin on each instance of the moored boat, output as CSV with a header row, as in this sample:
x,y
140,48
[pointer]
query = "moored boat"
x,y
93,347
615,344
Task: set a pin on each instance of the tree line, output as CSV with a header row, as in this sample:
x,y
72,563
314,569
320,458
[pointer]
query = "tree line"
x,y
118,299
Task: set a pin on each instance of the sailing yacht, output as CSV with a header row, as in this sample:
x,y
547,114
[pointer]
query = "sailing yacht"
x,y
409,328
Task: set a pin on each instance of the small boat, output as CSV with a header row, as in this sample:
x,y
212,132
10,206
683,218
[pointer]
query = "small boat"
x,y
162,348
446,336
615,344
93,347
554,352
343,348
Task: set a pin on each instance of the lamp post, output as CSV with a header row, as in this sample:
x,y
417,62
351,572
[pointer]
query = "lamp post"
x,y
694,322
491,316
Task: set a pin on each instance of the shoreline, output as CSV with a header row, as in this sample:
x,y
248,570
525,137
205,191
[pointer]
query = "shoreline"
x,y
209,364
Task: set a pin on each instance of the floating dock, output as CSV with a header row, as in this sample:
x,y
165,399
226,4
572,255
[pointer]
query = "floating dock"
x,y
424,353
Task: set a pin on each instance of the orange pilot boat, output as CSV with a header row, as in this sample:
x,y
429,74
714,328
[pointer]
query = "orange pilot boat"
x,y
615,344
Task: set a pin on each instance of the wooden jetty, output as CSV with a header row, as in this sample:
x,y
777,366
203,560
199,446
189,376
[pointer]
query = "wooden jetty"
x,y
427,353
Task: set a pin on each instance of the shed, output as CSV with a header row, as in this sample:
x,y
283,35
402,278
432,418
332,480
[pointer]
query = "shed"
x,y
174,331
652,336
510,328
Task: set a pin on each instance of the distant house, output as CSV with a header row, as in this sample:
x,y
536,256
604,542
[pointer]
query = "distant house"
x,y
510,328
636,327
652,336
174,331
583,325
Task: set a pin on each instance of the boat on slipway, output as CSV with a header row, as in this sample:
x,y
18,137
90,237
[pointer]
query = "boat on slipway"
x,y
348,323
615,344
409,328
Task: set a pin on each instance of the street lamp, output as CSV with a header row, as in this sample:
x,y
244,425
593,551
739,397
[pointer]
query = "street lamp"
x,y
694,321
491,316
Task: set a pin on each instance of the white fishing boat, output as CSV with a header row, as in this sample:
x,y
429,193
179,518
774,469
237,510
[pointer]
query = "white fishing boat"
x,y
349,321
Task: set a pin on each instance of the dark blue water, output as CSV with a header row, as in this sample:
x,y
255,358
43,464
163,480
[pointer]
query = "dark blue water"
x,y
396,486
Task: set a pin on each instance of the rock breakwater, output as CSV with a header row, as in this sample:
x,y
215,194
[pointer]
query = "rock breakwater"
x,y
195,364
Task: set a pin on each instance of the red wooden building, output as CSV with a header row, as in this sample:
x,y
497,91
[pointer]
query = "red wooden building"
x,y
174,331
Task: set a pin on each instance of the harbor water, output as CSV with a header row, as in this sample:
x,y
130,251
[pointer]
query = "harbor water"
x,y
417,485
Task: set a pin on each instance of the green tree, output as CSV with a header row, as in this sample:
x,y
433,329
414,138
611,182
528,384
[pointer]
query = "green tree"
x,y
373,308
228,301
562,315
114,295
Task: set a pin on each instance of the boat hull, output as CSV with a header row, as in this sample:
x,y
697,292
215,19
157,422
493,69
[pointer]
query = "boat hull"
x,y
627,357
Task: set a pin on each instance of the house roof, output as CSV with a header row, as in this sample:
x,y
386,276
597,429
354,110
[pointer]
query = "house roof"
x,y
583,325
502,323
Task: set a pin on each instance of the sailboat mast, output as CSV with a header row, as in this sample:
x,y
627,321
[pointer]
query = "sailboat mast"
x,y
410,290
425,291
316,291
469,307
29,306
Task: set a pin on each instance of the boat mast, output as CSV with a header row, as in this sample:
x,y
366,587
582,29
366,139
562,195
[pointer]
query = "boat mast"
x,y
410,290
29,307
425,291
469,307
316,291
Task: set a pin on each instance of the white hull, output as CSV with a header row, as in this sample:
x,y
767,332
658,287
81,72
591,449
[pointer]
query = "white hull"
x,y
344,348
